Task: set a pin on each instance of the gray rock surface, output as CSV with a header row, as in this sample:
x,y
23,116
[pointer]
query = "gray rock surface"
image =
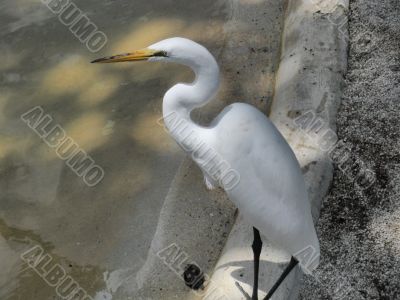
x,y
359,228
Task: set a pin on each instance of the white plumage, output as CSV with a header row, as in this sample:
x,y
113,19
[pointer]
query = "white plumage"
x,y
271,193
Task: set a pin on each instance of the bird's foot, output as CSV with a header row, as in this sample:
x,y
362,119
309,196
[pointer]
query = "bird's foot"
x,y
247,296
208,183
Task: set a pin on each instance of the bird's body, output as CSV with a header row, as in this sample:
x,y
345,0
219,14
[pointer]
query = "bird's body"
x,y
275,202
270,191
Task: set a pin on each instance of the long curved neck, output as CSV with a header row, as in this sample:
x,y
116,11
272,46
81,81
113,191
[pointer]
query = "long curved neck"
x,y
182,98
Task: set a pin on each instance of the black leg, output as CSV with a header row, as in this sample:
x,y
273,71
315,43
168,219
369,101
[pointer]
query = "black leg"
x,y
257,246
292,264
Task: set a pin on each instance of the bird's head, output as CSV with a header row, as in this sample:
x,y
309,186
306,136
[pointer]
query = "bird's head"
x,y
179,50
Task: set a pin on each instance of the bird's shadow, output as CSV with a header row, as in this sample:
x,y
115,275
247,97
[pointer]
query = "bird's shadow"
x,y
243,275
244,293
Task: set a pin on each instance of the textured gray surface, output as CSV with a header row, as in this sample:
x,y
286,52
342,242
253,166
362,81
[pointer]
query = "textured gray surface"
x,y
360,229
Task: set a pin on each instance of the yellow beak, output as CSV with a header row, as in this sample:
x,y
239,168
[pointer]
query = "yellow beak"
x,y
138,55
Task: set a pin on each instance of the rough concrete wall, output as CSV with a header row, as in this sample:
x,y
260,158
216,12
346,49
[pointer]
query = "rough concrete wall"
x,y
310,79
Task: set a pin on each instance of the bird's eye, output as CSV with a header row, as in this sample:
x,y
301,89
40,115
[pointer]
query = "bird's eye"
x,y
161,53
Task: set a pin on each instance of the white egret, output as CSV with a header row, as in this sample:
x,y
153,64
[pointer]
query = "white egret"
x,y
271,192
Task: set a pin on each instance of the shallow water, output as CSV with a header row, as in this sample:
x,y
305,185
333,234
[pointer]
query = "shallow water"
x,y
111,112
